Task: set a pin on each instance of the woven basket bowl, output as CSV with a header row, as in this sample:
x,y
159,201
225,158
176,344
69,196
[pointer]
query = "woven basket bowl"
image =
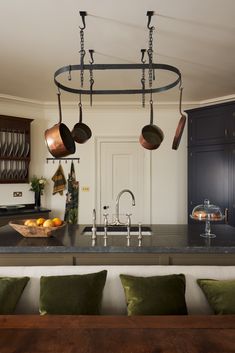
x,y
33,232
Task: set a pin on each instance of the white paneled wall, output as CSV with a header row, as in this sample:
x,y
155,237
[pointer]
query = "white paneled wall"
x,y
169,167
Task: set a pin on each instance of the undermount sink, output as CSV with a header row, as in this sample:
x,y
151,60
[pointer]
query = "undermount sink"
x,y
118,230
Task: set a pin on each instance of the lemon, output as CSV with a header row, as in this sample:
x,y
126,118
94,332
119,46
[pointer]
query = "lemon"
x,y
40,221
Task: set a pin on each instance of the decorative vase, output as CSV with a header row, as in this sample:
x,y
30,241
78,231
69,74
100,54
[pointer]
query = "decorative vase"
x,y
37,199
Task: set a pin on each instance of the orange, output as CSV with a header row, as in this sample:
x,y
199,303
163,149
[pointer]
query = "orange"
x,y
48,223
40,221
57,221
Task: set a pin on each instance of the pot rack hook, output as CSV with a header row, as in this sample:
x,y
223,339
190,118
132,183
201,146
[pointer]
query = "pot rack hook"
x,y
150,14
180,104
91,51
83,14
59,105
151,111
69,75
143,51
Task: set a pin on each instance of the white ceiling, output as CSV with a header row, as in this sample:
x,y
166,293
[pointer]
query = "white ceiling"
x,y
39,36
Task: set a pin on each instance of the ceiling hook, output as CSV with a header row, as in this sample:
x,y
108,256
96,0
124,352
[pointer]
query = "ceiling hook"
x,y
91,51
83,14
143,51
150,14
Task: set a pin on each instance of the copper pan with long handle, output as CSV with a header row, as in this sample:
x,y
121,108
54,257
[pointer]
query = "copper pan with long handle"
x,y
151,136
59,139
180,127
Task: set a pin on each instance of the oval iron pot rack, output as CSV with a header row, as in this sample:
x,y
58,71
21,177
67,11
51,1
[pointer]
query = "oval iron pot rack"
x,y
142,65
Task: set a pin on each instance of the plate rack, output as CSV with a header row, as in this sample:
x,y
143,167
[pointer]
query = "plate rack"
x,y
14,149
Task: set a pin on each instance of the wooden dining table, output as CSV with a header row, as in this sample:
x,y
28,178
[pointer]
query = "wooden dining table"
x,y
116,334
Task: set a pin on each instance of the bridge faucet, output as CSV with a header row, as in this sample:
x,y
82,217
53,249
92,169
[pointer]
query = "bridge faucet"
x,y
117,221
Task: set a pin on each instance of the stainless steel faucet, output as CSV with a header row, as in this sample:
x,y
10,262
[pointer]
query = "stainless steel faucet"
x,y
117,221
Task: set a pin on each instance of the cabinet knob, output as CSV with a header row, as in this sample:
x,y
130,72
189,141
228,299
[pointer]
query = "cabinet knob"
x,y
226,132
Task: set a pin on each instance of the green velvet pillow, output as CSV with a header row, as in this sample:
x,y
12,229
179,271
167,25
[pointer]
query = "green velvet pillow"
x,y
157,295
220,294
11,289
72,295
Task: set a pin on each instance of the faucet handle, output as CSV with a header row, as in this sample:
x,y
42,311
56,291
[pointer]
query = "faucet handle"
x,y
140,235
128,218
106,221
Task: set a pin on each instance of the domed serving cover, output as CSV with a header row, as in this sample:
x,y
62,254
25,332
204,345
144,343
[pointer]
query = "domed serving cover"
x,y
207,211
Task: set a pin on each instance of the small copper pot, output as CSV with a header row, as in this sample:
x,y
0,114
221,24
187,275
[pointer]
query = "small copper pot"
x,y
59,139
151,136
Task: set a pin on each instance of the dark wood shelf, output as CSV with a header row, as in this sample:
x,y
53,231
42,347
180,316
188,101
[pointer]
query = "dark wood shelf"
x,y
14,148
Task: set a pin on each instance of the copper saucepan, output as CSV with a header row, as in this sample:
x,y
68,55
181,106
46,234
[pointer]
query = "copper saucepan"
x,y
59,139
151,136
81,132
180,128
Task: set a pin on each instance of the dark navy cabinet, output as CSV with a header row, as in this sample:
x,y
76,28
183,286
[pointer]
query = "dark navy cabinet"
x,y
211,158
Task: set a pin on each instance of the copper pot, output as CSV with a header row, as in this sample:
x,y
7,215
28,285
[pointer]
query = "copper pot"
x,y
180,127
59,139
81,132
151,136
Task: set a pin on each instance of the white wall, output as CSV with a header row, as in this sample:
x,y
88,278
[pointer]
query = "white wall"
x,y
169,167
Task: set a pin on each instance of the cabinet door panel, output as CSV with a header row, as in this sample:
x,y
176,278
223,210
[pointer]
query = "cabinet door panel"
x,y
208,176
208,127
211,125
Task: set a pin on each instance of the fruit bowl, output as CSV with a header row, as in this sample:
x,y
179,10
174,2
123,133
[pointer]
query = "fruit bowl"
x,y
33,231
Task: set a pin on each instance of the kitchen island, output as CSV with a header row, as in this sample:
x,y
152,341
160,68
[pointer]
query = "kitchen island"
x,y
167,245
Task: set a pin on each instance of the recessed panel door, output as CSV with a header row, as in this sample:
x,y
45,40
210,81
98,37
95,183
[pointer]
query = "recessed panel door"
x,y
123,164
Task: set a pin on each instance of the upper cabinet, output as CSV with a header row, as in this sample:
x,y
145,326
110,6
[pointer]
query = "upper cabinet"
x,y
211,158
211,125
14,149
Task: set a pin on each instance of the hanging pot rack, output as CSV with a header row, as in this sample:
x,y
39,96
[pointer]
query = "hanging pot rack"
x,y
144,65
92,67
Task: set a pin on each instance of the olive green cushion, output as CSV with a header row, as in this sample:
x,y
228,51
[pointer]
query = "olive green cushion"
x,y
220,294
11,289
157,295
73,294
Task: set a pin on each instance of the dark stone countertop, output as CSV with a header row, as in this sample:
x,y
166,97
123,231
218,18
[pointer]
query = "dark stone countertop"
x,y
27,209
164,239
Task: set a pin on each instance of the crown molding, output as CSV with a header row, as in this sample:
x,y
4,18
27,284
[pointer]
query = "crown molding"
x,y
4,98
118,105
218,100
111,104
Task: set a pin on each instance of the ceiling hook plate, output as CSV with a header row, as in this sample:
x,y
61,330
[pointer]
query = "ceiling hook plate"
x,y
83,14
149,14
